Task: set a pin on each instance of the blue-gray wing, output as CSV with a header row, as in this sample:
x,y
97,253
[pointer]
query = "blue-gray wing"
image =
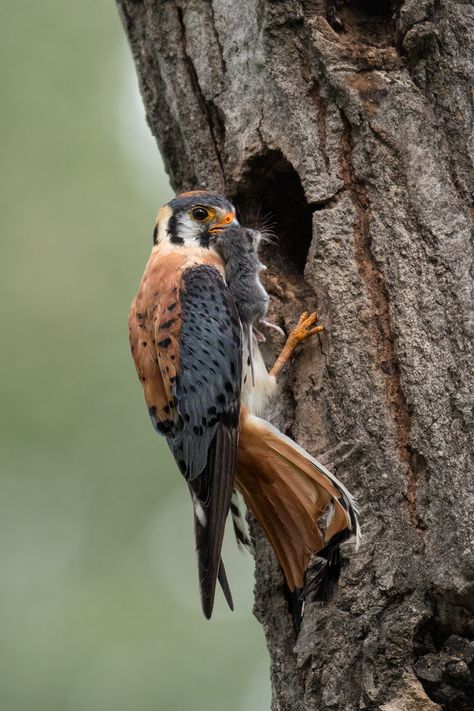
x,y
207,409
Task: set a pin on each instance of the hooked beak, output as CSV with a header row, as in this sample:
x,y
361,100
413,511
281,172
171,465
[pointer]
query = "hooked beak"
x,y
229,220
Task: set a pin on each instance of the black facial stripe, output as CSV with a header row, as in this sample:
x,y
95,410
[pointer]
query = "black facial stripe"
x,y
155,234
204,239
173,230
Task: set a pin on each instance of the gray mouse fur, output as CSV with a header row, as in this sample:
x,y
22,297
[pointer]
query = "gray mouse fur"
x,y
238,247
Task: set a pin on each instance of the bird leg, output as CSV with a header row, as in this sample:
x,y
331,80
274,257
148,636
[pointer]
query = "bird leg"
x,y
304,329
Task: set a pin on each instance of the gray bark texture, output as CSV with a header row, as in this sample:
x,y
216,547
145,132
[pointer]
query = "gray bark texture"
x,y
350,124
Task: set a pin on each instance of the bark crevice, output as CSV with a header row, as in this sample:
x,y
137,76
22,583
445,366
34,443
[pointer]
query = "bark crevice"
x,y
444,649
210,111
381,333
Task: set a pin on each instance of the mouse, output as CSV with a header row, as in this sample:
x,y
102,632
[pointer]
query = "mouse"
x,y
238,247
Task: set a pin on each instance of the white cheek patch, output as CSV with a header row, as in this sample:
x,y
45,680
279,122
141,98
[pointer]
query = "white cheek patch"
x,y
188,230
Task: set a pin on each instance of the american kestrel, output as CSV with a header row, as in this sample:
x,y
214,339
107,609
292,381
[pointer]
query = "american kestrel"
x,y
192,357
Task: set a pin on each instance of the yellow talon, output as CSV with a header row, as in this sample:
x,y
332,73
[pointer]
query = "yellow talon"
x,y
304,329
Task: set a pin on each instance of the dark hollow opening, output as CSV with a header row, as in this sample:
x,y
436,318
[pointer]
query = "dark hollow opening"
x,y
376,8
369,22
271,193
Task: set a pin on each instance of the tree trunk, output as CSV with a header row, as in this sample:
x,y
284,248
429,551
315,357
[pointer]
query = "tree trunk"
x,y
350,123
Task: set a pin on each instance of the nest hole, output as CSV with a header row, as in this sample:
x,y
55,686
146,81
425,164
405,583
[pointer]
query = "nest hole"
x,y
374,8
370,22
271,197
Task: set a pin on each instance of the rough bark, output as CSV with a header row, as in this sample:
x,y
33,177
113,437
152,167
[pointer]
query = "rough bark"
x,y
351,124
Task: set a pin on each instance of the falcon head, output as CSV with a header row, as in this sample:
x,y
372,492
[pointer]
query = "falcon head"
x,y
192,218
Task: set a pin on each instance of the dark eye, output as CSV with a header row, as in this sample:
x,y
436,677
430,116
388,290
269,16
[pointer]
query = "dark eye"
x,y
200,214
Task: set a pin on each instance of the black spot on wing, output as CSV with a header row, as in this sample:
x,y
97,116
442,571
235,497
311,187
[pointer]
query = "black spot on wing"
x,y
163,427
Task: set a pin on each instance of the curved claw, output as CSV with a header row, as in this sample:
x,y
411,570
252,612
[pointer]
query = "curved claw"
x,y
304,329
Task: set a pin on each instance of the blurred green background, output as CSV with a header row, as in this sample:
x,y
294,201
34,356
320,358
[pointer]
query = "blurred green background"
x,y
99,604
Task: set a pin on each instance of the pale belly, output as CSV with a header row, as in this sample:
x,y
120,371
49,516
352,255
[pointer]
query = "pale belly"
x,y
256,397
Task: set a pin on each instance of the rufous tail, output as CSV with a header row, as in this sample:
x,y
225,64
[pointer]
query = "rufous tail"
x,y
303,509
